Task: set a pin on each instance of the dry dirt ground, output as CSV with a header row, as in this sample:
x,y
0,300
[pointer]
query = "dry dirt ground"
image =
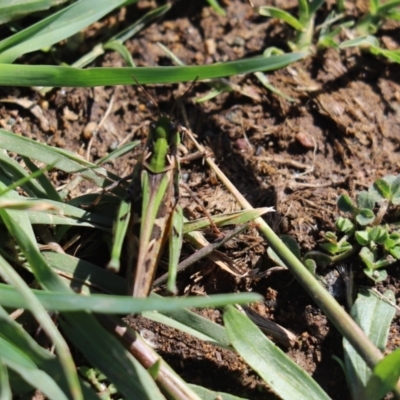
x,y
339,134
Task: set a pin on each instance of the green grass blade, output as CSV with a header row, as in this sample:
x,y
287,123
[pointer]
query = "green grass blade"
x,y
41,75
275,12
216,7
60,213
16,176
213,332
284,376
385,8
122,36
304,11
373,6
14,333
121,50
14,9
207,394
234,218
51,192
315,5
5,390
119,233
126,148
172,323
61,159
104,351
55,28
85,274
19,227
384,377
31,374
108,304
392,55
374,315
175,247
30,302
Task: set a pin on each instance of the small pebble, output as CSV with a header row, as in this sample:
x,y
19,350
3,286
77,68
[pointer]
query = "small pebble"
x,y
305,140
89,129
241,144
211,47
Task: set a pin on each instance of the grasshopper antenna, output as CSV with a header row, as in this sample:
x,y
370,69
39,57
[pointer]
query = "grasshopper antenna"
x,y
185,94
149,96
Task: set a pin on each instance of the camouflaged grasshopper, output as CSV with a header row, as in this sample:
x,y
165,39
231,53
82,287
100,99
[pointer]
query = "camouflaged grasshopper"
x,y
155,215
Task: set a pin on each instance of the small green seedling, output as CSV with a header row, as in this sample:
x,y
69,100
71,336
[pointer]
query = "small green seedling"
x,y
371,228
304,24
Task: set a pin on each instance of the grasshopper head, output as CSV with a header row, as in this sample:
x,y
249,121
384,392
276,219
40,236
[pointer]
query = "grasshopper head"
x,y
163,141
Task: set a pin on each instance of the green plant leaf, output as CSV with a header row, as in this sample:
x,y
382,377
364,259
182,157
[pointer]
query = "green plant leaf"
x,y
55,28
384,377
365,200
395,189
216,7
374,315
44,75
321,259
373,5
284,376
311,265
362,237
345,204
383,188
385,8
206,394
361,41
344,225
331,248
109,356
14,9
378,234
334,246
365,216
315,5
5,389
62,159
391,55
304,11
385,261
275,12
368,257
331,237
376,275
395,252
109,304
17,360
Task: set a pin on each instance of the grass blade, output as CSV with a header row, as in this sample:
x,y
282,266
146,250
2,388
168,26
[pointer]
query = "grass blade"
x,y
108,304
55,28
5,390
14,9
30,302
42,75
104,351
61,159
283,375
374,316
207,394
384,377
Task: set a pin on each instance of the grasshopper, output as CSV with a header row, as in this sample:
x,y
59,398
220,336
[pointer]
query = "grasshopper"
x,y
155,213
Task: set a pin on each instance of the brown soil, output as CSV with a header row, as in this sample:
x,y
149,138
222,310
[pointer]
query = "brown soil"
x,y
339,134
